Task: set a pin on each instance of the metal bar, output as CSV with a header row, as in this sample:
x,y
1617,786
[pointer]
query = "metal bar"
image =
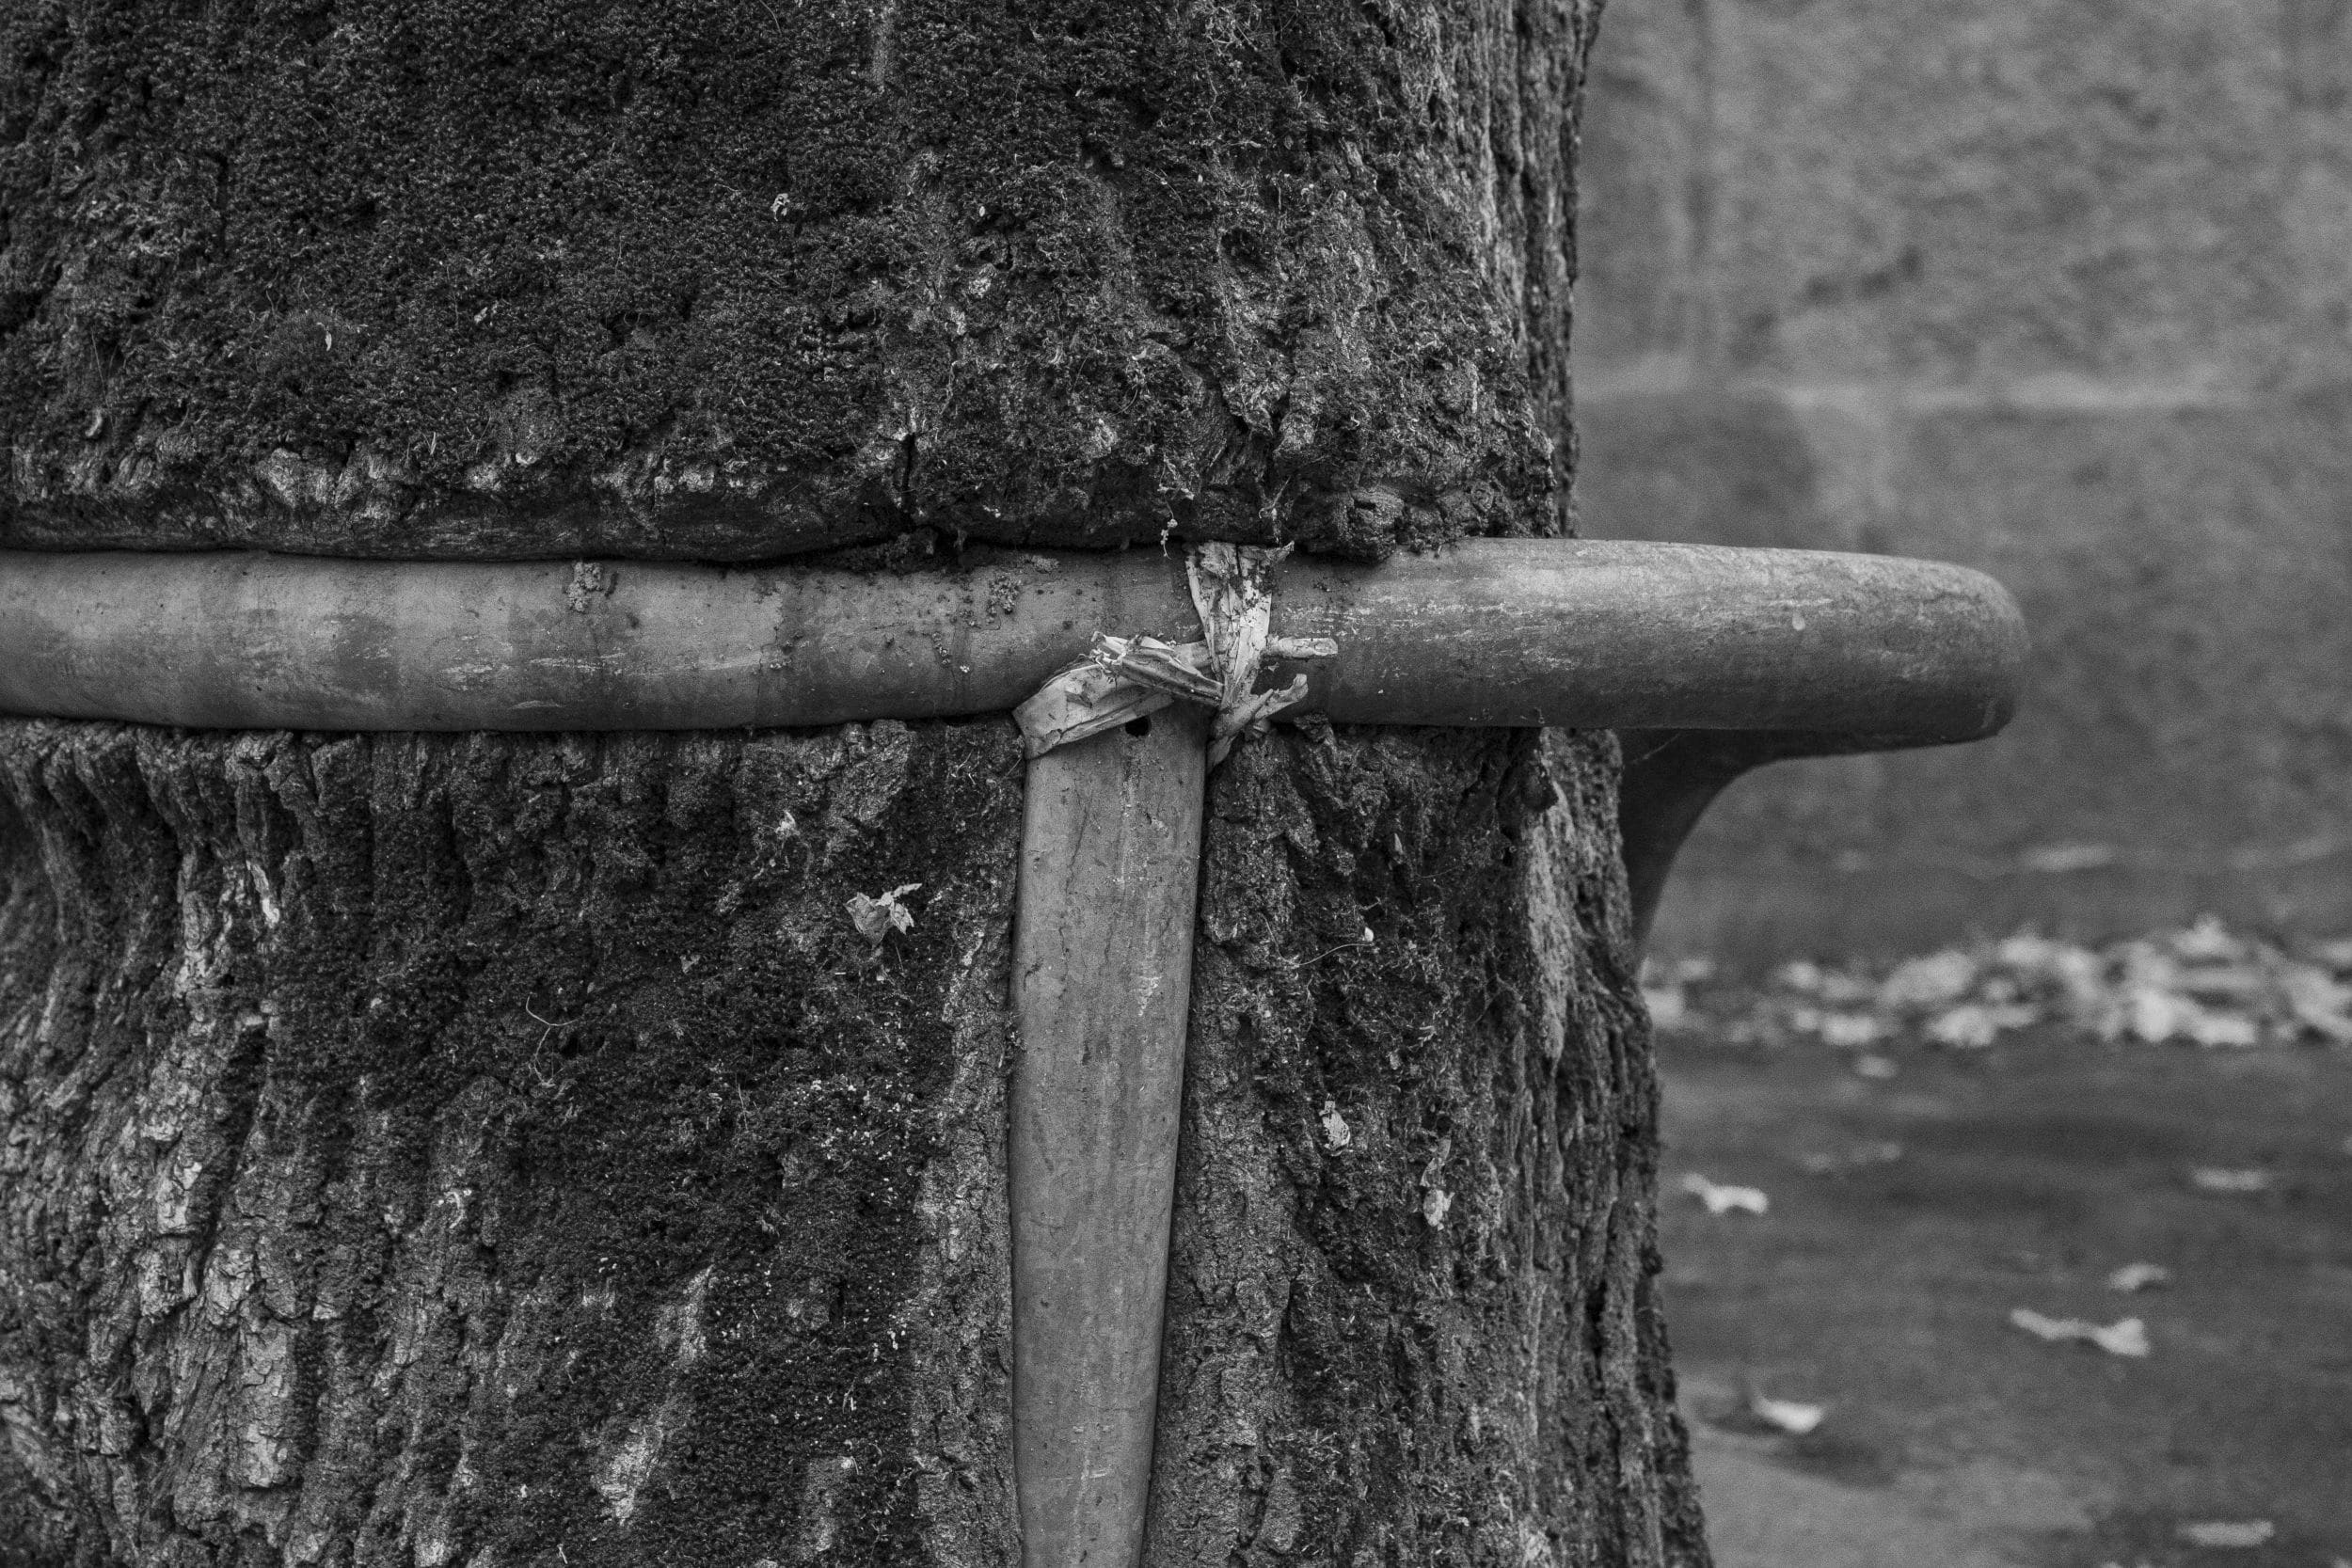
x,y
1672,776
1586,634
1110,864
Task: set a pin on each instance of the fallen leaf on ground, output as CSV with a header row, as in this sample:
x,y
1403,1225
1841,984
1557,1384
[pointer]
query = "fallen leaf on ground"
x,y
2210,1028
1720,1200
1335,1126
1801,975
1973,1026
2251,1532
1669,1005
2213,1179
2208,941
2318,1000
1935,981
1847,1031
1787,1415
2161,1010
2138,1277
2127,1338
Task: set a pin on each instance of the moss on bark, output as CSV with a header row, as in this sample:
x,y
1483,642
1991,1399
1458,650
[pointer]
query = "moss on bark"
x,y
502,1150
742,278
1412,1317
480,1150
498,1150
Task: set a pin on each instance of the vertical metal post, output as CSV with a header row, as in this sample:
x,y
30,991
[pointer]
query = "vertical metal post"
x,y
1110,866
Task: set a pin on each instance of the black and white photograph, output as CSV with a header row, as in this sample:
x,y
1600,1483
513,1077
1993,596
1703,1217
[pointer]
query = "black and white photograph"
x,y
1176,784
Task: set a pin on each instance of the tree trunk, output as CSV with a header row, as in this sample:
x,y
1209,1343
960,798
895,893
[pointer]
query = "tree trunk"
x,y
421,1148
501,1151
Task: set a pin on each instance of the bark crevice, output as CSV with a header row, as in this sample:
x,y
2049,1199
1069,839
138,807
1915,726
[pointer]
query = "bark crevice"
x,y
452,1149
1411,1315
492,1151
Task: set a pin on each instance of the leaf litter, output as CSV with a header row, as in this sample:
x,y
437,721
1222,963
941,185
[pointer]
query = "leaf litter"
x,y
2204,985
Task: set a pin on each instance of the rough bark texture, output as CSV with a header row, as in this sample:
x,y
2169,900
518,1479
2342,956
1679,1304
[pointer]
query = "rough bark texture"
x,y
734,279
1411,1316
499,1151
502,1151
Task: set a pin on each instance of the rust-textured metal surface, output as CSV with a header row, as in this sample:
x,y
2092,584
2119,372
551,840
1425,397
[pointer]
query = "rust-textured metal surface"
x,y
1110,864
1581,634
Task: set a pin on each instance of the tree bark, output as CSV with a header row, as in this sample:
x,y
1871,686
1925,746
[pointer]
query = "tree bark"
x,y
433,1149
505,1149
502,1149
1412,1317
736,279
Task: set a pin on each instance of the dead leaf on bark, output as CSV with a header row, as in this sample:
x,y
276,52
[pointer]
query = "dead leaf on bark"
x,y
876,918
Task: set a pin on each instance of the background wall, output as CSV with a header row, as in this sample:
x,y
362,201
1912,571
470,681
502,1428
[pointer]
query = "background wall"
x,y
2060,289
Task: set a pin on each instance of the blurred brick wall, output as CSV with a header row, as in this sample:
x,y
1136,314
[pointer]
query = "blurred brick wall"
x,y
2058,289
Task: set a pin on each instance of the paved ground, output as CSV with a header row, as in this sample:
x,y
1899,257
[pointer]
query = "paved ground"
x,y
2026,1174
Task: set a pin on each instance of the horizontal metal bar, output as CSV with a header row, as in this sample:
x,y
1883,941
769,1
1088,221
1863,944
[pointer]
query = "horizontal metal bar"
x,y
1582,633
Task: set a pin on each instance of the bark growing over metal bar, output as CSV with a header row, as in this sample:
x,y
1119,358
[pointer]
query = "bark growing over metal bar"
x,y
732,278
395,1123
1509,632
